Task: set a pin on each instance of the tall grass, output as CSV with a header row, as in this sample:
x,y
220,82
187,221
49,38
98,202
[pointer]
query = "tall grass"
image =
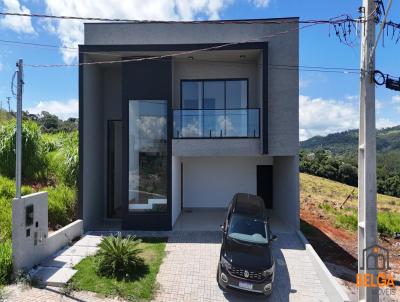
x,y
64,158
34,162
6,265
388,222
62,205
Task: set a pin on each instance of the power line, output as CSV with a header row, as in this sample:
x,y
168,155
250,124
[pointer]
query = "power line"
x,y
115,54
37,44
338,19
215,47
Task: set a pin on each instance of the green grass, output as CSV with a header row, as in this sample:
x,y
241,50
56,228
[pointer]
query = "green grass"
x,y
330,195
5,262
141,288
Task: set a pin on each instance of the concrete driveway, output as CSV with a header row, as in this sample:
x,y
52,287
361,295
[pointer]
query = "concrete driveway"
x,y
188,272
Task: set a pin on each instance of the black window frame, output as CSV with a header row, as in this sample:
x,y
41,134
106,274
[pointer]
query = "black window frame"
x,y
215,80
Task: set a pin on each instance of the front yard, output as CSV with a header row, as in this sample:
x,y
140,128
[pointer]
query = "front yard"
x,y
139,287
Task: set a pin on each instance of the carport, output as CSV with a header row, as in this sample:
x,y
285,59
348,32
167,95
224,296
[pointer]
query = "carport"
x,y
210,219
206,185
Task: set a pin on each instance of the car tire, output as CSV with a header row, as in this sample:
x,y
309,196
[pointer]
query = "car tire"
x,y
219,284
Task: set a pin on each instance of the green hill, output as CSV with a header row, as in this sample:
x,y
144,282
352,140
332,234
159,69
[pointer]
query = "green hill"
x,y
335,157
387,140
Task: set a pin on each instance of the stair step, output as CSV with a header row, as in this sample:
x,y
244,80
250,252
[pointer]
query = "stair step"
x,y
53,276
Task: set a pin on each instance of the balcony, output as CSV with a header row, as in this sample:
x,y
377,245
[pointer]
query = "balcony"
x,y
217,123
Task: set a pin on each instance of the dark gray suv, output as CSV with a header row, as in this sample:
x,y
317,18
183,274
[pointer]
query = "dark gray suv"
x,y
246,262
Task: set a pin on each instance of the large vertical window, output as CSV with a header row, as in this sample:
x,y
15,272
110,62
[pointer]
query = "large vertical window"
x,y
147,156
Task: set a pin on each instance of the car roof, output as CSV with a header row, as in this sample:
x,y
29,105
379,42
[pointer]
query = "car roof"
x,y
248,205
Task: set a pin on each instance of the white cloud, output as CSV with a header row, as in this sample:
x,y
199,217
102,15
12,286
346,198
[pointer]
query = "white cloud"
x,y
384,123
396,102
15,23
63,110
260,3
304,83
71,32
321,117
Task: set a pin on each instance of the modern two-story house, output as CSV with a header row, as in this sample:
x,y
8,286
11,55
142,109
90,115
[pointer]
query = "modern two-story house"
x,y
177,115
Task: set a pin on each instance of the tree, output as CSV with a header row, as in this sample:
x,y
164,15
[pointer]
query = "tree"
x,y
49,122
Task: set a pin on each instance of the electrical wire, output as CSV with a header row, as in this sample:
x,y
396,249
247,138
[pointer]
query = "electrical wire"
x,y
280,66
215,47
344,17
38,45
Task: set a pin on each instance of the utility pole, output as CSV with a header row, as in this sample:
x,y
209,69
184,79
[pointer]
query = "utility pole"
x,y
367,212
8,102
18,146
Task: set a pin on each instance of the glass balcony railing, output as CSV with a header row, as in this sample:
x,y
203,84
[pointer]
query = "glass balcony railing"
x,y
217,123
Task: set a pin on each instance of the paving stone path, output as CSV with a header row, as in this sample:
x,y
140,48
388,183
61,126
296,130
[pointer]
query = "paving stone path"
x,y
188,273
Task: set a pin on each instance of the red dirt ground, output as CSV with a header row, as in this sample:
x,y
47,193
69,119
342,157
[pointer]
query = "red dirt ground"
x,y
339,246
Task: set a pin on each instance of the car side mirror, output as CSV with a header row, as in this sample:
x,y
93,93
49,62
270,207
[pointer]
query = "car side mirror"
x,y
274,238
222,228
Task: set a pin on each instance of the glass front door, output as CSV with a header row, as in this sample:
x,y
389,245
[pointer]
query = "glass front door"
x,y
147,186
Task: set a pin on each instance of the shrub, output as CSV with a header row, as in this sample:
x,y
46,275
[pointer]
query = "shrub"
x,y
388,223
6,265
62,202
347,221
118,257
33,154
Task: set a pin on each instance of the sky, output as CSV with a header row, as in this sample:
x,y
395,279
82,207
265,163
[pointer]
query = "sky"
x,y
328,101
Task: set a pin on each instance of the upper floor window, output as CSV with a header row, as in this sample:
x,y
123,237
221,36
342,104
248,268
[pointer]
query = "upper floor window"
x,y
214,94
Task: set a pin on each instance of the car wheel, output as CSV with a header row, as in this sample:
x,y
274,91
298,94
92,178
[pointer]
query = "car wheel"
x,y
219,284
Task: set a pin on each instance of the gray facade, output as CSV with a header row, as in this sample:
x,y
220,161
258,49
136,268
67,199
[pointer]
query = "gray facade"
x,y
107,89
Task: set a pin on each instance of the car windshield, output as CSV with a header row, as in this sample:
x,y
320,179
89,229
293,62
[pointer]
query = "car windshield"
x,y
248,229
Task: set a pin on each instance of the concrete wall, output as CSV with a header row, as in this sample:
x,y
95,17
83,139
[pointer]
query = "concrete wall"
x,y
216,147
93,147
286,190
176,188
31,244
283,84
212,181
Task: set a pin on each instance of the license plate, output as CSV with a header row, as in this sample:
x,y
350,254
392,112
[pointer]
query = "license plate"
x,y
245,285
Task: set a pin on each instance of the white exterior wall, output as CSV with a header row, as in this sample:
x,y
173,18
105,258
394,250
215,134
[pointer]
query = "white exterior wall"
x,y
29,251
212,181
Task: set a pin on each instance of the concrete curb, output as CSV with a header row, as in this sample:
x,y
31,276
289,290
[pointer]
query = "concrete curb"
x,y
333,289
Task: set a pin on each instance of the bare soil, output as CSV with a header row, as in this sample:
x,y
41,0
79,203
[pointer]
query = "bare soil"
x,y
338,247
